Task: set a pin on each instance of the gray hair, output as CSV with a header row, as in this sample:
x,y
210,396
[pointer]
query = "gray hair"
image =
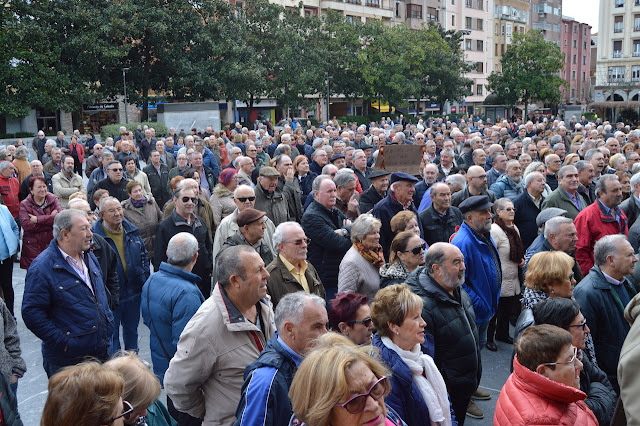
x,y
555,139
343,179
50,142
531,168
581,165
601,185
589,154
317,182
457,180
279,234
501,203
530,177
5,164
229,262
181,249
104,200
434,256
291,308
566,169
552,226
635,179
64,221
448,151
607,246
363,225
283,148
21,152
317,142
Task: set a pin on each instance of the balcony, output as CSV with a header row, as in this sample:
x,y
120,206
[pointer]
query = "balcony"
x,y
636,28
636,53
617,27
617,53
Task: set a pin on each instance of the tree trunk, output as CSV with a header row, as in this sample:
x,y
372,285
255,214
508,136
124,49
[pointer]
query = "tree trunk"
x,y
145,103
250,108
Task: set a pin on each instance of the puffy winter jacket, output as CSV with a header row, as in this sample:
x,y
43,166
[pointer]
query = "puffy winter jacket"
x,y
506,187
529,398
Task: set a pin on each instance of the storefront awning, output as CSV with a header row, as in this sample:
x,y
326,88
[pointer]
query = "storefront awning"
x,y
615,104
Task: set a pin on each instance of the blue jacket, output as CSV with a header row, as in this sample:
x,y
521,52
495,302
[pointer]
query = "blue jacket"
x,y
265,392
9,234
405,397
209,160
135,255
384,211
481,278
172,301
72,321
306,186
506,187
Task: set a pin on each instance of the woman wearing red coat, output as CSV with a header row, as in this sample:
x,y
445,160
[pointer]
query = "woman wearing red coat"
x,y
76,150
37,212
544,387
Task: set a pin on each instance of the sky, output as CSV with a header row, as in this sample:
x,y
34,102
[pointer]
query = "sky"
x,y
583,11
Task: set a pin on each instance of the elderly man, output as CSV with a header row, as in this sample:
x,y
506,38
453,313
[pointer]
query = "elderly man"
x,y
329,231
234,153
440,220
127,152
115,183
64,297
146,144
132,268
446,166
566,196
346,200
208,179
429,177
9,188
269,198
36,170
94,161
38,144
398,199
586,188
528,205
290,186
596,158
251,225
289,271
245,167
54,165
509,185
499,166
603,294
182,165
158,174
228,333
631,206
360,168
604,217
166,156
476,185
448,312
183,219
100,172
377,191
320,159
300,319
553,163
479,158
67,183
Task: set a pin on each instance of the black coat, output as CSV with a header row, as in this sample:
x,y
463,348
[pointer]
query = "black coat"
x,y
438,228
601,397
118,190
107,258
525,219
159,183
306,184
631,208
369,199
384,211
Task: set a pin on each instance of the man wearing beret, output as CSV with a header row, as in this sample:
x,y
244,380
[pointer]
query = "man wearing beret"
x,y
399,198
376,192
251,224
270,198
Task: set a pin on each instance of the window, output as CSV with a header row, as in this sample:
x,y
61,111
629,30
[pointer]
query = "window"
x,y
508,30
565,42
479,89
573,93
573,75
616,74
352,19
502,49
453,2
480,67
575,29
617,24
574,59
566,28
480,24
617,49
414,11
479,45
502,29
636,48
575,44
468,3
453,20
584,31
433,14
584,76
584,60
584,45
619,3
398,15
636,23
468,23
635,73
497,50
481,4
468,45
497,30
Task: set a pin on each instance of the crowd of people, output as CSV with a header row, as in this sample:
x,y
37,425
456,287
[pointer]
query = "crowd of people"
x,y
285,279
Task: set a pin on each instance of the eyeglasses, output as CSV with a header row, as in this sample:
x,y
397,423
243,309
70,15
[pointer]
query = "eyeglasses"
x,y
245,199
577,354
115,170
299,241
510,209
127,409
357,403
194,200
366,322
416,250
582,325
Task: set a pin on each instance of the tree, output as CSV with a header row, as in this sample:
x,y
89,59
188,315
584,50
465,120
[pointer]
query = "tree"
x,y
530,68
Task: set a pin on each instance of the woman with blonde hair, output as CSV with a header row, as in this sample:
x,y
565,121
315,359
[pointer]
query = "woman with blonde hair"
x,y
571,159
405,256
341,384
405,221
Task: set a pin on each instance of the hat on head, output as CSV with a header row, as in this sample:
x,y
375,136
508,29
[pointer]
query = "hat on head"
x,y
477,202
366,146
377,173
336,156
549,213
398,176
269,172
247,216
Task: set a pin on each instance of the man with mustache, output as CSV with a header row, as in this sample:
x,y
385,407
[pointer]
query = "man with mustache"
x,y
604,217
448,312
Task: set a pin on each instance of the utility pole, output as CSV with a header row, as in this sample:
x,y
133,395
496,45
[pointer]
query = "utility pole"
x,y
124,83
329,78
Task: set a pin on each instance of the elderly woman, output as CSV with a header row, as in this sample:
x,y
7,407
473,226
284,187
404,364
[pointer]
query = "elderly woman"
x,y
222,195
360,267
350,315
418,392
37,212
619,163
341,384
131,172
544,387
141,389
625,180
565,313
85,394
571,160
406,254
304,175
525,159
506,237
21,163
76,150
405,221
144,213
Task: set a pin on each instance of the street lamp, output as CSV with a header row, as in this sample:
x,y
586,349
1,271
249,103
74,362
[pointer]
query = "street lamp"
x,y
124,82
329,78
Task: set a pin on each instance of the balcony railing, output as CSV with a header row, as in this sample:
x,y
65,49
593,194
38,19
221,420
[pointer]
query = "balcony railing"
x,y
617,28
636,28
636,53
372,3
617,53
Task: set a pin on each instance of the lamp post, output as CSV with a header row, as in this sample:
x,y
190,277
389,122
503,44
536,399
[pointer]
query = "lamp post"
x,y
124,83
329,78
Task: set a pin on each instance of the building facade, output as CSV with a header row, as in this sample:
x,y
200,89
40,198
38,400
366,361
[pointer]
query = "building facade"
x,y
546,16
509,17
576,46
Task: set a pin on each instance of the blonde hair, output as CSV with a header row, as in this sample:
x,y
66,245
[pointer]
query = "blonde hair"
x,y
392,305
548,267
141,386
400,220
321,380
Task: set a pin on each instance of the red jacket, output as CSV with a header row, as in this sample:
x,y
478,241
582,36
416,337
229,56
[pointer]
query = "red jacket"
x,y
37,236
592,223
529,398
79,150
9,190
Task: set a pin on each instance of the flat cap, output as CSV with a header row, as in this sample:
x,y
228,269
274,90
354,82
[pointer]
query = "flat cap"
x,y
377,173
269,172
366,146
547,214
398,176
477,202
248,216
336,156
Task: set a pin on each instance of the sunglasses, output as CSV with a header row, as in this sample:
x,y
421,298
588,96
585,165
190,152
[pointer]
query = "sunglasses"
x,y
194,200
357,403
115,170
245,199
300,241
416,250
582,325
127,409
366,322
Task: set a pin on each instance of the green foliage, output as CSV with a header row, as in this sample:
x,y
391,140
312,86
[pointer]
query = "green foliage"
x,y
113,130
530,68
590,116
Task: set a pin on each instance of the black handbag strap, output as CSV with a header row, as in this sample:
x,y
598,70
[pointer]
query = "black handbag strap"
x,y
166,354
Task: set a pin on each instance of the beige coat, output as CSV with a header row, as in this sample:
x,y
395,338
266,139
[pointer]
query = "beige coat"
x,y
221,203
629,366
63,188
510,280
205,376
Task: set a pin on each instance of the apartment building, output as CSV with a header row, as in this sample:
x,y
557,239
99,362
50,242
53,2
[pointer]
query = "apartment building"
x,y
576,46
509,17
546,16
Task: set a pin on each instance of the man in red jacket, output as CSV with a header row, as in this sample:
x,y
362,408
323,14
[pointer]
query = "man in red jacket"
x,y
9,188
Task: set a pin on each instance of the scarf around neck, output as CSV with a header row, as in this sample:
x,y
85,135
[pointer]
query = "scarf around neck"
x,y
375,257
516,251
138,203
